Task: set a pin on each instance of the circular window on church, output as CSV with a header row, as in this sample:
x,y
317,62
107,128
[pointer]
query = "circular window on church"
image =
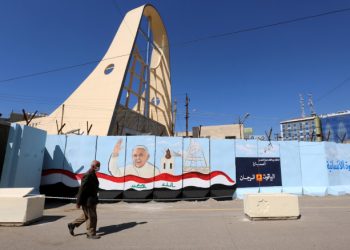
x,y
109,69
155,101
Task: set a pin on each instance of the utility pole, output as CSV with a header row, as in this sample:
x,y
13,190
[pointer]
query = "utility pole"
x,y
311,105
187,115
240,127
302,105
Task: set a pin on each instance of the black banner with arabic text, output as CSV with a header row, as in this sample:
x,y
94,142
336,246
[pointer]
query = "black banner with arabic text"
x,y
258,172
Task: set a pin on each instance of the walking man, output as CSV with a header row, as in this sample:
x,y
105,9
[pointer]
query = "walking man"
x,y
87,199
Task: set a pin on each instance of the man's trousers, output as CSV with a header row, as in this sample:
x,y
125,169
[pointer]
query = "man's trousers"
x,y
90,217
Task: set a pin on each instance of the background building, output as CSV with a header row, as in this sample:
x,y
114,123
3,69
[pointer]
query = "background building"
x,y
336,127
301,129
231,131
333,127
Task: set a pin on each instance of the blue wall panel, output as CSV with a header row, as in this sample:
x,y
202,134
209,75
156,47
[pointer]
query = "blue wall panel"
x,y
270,152
80,152
29,166
54,152
290,167
53,159
24,157
268,149
246,148
338,166
313,168
11,155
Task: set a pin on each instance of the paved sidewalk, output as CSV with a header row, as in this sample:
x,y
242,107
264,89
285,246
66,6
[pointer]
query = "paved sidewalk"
x,y
324,224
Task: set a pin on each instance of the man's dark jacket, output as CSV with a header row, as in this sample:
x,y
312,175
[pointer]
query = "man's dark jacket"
x,y
87,195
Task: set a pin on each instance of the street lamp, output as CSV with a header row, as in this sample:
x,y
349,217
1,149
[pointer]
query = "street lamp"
x,y
240,122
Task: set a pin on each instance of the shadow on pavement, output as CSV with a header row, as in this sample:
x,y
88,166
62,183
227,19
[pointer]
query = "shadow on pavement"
x,y
117,228
47,219
52,203
79,234
223,198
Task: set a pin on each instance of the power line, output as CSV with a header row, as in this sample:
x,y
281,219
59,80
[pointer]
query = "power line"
x,y
214,36
119,10
58,69
100,107
333,89
299,19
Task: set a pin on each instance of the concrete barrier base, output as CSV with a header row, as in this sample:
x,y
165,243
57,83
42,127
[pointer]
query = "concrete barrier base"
x,y
17,208
271,206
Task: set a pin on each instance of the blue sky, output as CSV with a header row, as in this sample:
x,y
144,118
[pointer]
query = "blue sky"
x,y
260,72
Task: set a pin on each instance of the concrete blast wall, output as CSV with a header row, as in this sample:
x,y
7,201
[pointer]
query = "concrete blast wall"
x,y
171,167
24,157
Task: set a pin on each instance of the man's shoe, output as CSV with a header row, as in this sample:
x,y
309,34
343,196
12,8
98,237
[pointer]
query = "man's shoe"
x,y
71,227
94,237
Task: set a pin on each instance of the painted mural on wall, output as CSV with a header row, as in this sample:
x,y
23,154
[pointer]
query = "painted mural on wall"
x,y
139,170
79,152
222,166
105,153
338,163
336,128
168,159
189,167
196,168
170,167
142,166
53,172
66,159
